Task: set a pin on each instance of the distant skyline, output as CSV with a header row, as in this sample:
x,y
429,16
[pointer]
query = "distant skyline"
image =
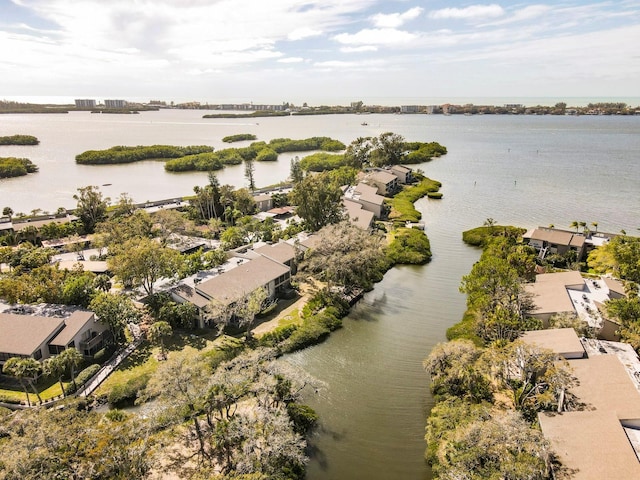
x,y
310,51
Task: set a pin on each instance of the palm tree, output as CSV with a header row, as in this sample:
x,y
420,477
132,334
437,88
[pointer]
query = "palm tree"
x,y
102,282
55,367
14,367
157,332
583,225
71,359
7,212
32,368
595,225
575,225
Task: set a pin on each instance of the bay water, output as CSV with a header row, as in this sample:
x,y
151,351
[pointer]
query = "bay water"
x,y
518,170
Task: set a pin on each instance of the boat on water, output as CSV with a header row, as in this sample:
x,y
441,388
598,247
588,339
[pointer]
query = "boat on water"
x,y
364,123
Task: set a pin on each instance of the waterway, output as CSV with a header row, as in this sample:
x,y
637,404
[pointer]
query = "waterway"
x,y
519,170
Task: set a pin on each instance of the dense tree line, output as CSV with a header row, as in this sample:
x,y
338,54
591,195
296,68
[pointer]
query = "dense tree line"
x,y
122,154
496,300
19,140
16,167
256,114
259,151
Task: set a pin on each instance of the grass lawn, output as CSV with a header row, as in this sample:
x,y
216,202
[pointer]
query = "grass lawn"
x,y
144,361
47,387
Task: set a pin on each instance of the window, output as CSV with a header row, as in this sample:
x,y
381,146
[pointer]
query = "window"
x,y
37,354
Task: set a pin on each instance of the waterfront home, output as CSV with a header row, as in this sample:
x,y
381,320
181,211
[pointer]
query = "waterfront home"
x,y
563,341
230,286
553,241
602,440
600,437
367,196
404,174
281,252
385,182
39,336
569,292
357,214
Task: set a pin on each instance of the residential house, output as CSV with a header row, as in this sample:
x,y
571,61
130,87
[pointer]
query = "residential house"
x,y
568,292
230,286
40,336
367,197
404,174
563,341
263,201
602,439
385,182
554,241
550,294
357,214
281,252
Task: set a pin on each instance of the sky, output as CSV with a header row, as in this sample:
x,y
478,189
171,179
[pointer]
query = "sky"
x,y
296,51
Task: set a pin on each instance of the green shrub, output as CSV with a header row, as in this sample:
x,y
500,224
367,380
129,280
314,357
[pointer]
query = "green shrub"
x,y
122,154
310,333
328,320
82,378
402,208
277,335
216,356
465,329
126,394
479,236
321,161
304,417
435,195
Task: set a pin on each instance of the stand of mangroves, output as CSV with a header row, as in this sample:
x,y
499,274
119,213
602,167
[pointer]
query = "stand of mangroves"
x,y
16,167
19,140
204,158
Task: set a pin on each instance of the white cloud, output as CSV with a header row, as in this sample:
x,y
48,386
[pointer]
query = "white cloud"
x,y
526,14
363,48
471,12
302,33
199,45
375,36
394,20
291,60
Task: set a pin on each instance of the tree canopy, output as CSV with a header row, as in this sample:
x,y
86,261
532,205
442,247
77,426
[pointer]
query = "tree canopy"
x,y
318,201
91,207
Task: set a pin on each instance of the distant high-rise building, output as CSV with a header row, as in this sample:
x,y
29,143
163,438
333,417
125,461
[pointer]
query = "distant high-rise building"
x,y
85,103
115,103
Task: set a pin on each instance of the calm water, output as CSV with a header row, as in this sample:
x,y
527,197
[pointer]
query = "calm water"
x,y
518,170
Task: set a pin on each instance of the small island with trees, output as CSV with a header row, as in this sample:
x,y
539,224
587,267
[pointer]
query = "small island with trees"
x,y
16,167
19,140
